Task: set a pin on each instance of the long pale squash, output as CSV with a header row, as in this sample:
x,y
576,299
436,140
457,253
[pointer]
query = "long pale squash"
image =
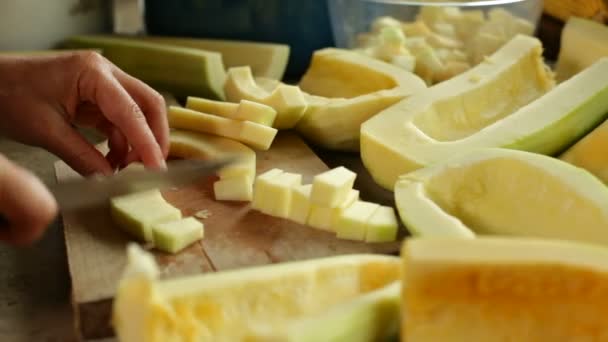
x,y
265,59
179,70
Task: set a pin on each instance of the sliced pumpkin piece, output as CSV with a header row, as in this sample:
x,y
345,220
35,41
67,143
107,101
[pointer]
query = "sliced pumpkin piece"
x,y
505,192
238,188
173,236
231,305
194,145
243,111
287,100
481,108
503,289
137,212
251,133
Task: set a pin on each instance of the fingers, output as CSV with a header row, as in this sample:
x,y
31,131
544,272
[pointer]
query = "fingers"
x,y
77,152
117,143
25,203
153,105
100,86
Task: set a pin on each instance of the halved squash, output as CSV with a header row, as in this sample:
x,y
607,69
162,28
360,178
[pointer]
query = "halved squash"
x,y
237,305
347,74
503,289
504,192
345,89
479,108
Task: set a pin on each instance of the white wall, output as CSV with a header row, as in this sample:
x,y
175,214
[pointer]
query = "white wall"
x,y
39,24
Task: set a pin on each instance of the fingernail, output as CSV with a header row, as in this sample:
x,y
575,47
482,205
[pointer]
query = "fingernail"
x,y
163,164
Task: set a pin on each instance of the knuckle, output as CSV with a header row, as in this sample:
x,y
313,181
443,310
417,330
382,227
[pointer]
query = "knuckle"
x,y
158,100
85,161
136,112
93,60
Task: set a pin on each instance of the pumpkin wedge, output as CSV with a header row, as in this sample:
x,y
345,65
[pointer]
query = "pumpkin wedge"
x,y
503,289
504,192
232,305
482,108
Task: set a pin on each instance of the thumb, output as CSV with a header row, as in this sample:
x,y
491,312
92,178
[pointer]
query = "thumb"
x,y
25,203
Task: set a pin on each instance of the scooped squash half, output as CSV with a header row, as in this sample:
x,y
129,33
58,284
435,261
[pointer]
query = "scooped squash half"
x,y
504,192
503,289
479,108
344,90
340,73
239,305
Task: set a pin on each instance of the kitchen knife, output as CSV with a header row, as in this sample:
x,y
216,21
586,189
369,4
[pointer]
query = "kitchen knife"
x,y
88,192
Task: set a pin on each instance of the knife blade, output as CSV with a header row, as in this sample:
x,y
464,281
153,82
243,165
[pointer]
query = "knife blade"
x,y
87,192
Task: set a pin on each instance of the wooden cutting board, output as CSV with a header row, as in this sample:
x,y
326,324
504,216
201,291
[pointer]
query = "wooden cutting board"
x,y
235,237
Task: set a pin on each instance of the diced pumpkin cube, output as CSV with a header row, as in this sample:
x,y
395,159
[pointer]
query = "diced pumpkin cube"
x,y
260,188
278,194
331,188
352,225
300,203
382,225
234,189
173,236
325,218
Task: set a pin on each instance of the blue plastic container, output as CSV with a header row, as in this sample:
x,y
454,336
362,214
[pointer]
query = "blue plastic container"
x,y
302,24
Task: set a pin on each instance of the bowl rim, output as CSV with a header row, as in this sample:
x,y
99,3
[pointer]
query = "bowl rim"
x,y
477,3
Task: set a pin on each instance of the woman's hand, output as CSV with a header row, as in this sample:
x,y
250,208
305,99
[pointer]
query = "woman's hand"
x,y
43,97
25,203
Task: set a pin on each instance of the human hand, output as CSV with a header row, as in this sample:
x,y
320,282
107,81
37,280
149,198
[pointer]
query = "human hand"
x,y
26,205
43,97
